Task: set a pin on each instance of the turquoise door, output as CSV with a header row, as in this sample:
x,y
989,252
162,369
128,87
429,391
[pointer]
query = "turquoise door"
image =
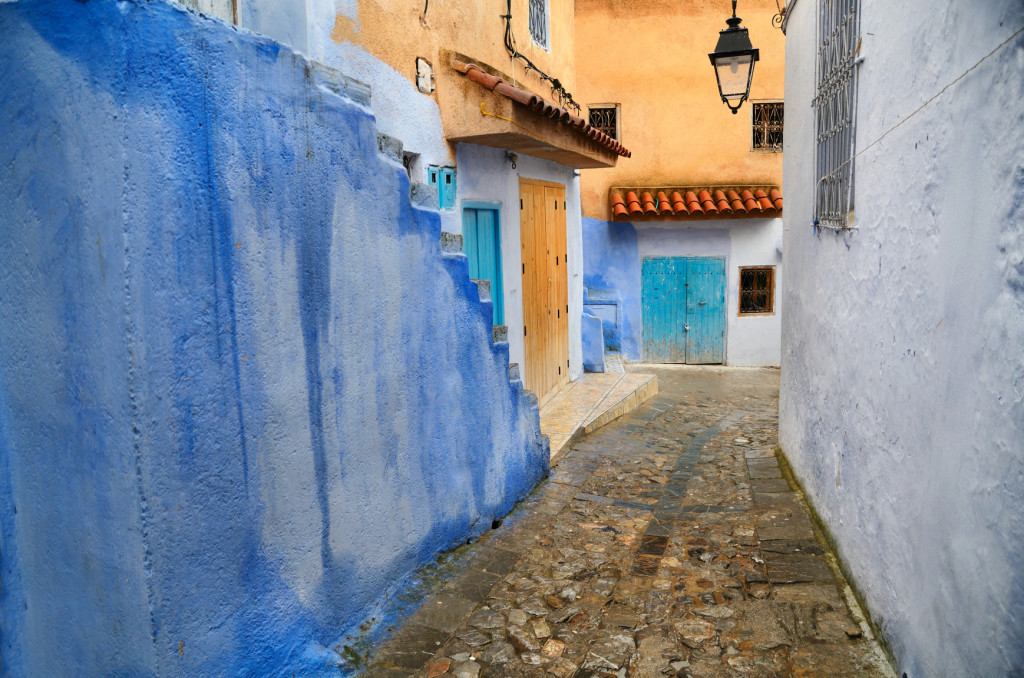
x,y
481,241
683,306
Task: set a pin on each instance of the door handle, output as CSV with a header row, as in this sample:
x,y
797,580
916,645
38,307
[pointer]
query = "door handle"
x,y
686,328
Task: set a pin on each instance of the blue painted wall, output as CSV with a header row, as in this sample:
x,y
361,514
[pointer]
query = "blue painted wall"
x,y
593,343
242,394
611,261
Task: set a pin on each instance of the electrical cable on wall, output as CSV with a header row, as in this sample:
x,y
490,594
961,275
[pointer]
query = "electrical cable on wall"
x,y
564,98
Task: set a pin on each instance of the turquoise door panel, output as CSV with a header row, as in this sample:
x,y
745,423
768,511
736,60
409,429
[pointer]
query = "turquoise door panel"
x,y
705,311
481,241
683,306
663,301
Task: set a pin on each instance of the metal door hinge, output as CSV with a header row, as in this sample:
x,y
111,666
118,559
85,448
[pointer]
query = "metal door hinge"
x,y
520,203
524,269
524,330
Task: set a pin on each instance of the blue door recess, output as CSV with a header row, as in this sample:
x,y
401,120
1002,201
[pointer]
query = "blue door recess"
x,y
683,305
481,241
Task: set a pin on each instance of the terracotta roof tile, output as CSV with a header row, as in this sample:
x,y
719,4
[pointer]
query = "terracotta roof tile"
x,y
734,202
721,202
647,202
748,200
701,202
664,206
678,206
692,203
633,203
705,202
538,105
618,207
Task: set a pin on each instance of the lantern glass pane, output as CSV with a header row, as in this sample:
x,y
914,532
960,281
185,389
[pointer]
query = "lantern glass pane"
x,y
734,75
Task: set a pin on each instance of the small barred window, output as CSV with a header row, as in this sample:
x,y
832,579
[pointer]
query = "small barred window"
x,y
768,126
605,118
757,290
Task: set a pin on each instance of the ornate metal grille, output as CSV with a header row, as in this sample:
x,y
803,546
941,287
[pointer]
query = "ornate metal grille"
x,y
606,119
834,104
757,290
768,126
539,21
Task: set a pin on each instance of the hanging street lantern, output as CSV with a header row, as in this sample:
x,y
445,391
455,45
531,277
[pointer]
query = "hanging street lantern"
x,y
733,60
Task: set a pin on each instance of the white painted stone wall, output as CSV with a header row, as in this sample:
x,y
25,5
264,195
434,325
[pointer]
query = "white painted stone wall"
x,y
750,341
486,175
902,385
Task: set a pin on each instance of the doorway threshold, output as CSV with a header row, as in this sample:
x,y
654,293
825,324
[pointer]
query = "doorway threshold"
x,y
585,405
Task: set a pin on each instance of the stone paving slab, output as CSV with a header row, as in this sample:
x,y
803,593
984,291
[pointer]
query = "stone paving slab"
x,y
590,402
654,549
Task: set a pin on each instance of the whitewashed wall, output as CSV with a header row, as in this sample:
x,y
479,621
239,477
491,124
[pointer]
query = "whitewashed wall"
x,y
486,175
751,341
902,391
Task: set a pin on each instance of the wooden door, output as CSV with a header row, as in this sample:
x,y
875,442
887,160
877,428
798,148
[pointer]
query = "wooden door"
x,y
683,306
545,287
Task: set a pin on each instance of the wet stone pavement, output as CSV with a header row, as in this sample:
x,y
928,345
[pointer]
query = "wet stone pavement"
x,y
665,544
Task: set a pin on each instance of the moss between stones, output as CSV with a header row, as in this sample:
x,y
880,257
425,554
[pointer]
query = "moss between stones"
x,y
826,535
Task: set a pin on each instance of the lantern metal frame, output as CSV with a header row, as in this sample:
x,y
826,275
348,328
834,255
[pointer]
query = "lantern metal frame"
x,y
733,42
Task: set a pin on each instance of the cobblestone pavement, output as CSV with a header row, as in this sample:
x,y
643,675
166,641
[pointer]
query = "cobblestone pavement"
x,y
665,544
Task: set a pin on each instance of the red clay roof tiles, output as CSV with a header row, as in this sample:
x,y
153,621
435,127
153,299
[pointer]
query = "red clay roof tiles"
x,y
648,204
664,206
538,105
711,201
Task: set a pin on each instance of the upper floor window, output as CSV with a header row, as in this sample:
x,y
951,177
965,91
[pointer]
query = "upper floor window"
x,y
834,111
605,117
767,127
539,22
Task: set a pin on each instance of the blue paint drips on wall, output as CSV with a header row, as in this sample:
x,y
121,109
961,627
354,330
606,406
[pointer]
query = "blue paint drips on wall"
x,y
242,393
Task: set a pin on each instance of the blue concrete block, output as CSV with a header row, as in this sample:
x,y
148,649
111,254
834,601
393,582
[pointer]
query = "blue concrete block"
x,y
593,344
611,273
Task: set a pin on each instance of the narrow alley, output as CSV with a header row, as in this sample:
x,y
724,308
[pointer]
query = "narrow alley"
x,y
666,543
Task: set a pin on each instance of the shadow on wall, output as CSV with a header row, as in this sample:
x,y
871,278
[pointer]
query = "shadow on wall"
x,y
611,276
242,393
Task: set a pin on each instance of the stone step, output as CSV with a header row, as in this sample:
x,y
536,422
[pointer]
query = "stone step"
x,y
423,196
484,289
451,242
499,333
389,146
513,372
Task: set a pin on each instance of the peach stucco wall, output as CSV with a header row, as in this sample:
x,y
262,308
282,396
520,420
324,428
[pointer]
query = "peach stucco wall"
x,y
652,59
399,32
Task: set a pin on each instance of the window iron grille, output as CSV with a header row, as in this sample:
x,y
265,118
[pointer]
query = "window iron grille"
x,y
539,21
605,119
757,290
834,104
768,118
